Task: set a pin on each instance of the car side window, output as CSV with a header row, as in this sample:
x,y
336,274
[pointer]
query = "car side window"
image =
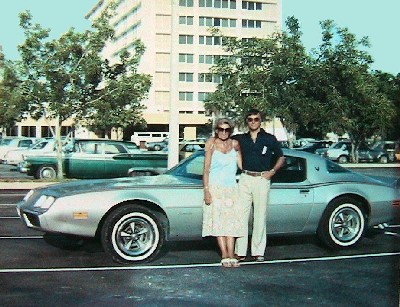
x,y
90,148
114,149
294,170
25,143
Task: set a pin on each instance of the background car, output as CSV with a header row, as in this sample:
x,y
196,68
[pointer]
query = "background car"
x,y
189,147
16,156
157,146
312,146
341,152
11,143
134,217
96,158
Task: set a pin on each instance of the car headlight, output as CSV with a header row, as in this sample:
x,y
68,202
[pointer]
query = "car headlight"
x,y
44,202
28,195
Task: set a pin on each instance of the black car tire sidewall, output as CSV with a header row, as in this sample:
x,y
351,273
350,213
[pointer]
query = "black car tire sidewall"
x,y
117,218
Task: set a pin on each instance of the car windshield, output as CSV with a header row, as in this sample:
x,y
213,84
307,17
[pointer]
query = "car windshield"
x,y
191,167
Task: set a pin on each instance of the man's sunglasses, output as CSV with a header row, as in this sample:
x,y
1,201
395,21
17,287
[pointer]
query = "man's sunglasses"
x,y
227,130
253,119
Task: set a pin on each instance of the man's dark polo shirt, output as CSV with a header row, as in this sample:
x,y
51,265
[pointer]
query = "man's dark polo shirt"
x,y
261,155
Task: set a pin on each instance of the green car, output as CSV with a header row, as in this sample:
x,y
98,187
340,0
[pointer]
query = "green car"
x,y
96,159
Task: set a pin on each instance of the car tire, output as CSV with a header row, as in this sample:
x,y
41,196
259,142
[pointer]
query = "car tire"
x,y
343,159
157,147
46,172
342,224
140,244
383,159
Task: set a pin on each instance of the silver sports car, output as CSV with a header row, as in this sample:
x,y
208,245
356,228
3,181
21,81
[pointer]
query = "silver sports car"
x,y
133,217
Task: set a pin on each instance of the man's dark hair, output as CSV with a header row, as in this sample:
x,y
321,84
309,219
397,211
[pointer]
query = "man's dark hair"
x,y
254,112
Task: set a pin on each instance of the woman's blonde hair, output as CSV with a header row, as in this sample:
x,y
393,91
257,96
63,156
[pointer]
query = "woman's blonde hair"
x,y
221,121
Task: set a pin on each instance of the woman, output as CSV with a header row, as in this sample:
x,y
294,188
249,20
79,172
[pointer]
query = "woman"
x,y
221,215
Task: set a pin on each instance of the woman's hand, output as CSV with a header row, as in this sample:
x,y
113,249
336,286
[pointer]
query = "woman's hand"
x,y
207,197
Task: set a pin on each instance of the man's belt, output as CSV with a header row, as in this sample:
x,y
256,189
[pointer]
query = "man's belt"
x,y
254,174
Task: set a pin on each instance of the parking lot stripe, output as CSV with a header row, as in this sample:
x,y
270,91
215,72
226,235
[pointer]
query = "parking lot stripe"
x,y
186,266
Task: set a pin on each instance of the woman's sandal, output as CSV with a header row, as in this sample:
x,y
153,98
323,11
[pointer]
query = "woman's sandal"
x,y
234,263
226,262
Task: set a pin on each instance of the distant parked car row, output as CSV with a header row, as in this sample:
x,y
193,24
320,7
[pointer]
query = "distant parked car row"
x,y
380,152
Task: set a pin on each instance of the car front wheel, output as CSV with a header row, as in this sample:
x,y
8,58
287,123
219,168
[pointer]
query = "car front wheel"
x,y
46,172
343,159
342,224
133,233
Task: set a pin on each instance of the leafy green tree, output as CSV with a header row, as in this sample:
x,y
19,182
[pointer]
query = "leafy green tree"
x,y
10,110
329,90
348,86
68,78
389,85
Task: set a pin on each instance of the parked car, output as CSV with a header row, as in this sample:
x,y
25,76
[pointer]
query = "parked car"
x,y
314,145
134,217
16,156
392,147
302,142
96,158
11,143
157,146
339,151
187,148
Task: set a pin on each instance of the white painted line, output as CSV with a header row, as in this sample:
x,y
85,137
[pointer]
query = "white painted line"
x,y
187,266
9,217
26,237
392,233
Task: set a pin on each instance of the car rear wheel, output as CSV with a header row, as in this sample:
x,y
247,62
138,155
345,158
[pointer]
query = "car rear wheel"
x,y
342,224
157,147
46,172
132,234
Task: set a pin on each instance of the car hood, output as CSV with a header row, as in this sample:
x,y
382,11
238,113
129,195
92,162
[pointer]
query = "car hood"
x,y
126,183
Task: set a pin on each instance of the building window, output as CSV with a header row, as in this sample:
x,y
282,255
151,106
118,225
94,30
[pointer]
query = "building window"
x,y
217,22
220,4
185,57
251,6
208,59
209,40
248,23
209,78
186,77
186,39
185,96
188,3
203,96
186,20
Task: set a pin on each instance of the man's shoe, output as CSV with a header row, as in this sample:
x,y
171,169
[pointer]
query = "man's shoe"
x,y
240,258
258,258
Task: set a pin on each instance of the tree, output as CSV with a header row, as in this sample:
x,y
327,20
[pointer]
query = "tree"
x,y
349,87
67,78
329,90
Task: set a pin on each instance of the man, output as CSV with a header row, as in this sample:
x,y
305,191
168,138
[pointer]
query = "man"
x,y
259,151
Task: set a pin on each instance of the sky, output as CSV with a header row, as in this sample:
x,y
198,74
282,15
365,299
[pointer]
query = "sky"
x,y
377,20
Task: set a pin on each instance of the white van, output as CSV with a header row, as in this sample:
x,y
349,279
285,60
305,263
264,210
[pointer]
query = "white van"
x,y
140,138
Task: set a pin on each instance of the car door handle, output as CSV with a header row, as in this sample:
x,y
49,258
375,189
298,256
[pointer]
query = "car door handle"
x,y
303,191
